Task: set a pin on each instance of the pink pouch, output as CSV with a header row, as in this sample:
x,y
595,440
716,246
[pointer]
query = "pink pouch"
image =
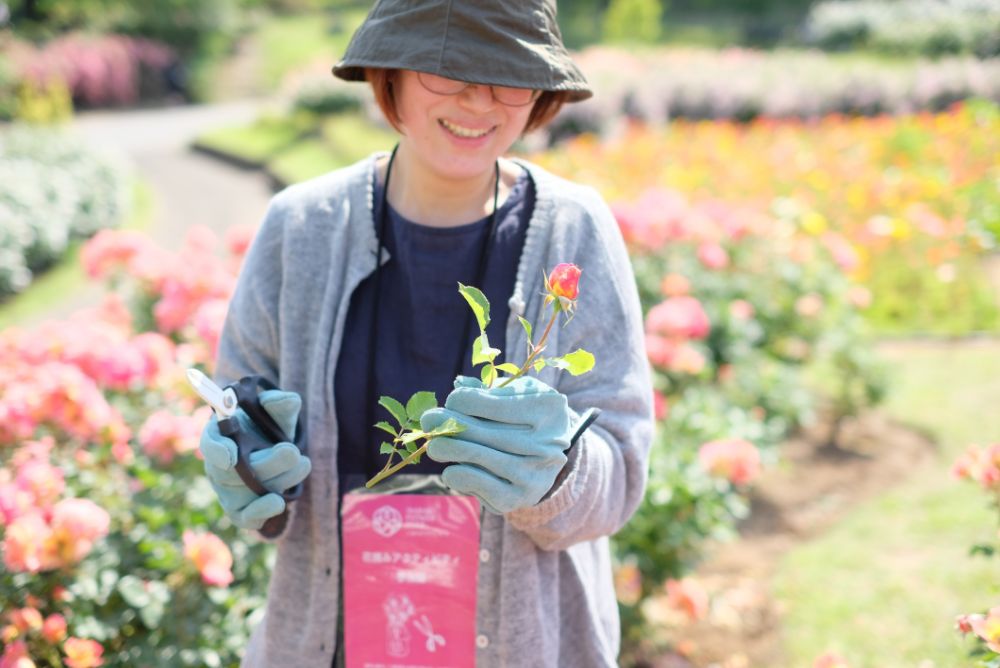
x,y
410,567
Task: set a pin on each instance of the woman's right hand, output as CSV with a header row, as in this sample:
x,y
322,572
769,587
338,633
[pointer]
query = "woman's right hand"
x,y
277,468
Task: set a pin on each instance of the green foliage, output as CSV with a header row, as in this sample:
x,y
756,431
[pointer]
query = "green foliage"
x,y
633,21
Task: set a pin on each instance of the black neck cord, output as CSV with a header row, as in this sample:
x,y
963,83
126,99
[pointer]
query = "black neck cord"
x,y
484,254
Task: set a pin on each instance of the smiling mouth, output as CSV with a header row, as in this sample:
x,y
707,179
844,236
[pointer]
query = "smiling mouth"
x,y
464,133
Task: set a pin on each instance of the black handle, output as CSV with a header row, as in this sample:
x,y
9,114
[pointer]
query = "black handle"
x,y
247,391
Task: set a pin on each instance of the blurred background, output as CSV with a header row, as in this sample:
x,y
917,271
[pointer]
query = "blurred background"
x,y
810,193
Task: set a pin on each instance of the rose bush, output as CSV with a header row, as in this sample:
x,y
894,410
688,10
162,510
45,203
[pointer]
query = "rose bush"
x,y
115,550
981,465
738,303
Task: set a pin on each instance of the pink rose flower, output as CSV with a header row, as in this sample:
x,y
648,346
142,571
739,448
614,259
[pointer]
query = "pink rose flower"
x,y
15,655
660,409
76,525
681,316
735,459
165,435
210,556
987,628
713,255
26,619
54,628
24,544
83,653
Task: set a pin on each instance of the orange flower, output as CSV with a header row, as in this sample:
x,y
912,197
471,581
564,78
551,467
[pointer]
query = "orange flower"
x,y
83,653
687,596
26,619
76,525
210,556
564,281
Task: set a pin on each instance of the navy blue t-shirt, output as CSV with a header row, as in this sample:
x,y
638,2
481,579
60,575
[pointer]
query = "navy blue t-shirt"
x,y
421,320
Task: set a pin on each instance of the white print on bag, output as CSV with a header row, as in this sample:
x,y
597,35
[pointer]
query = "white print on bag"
x,y
433,639
398,610
387,521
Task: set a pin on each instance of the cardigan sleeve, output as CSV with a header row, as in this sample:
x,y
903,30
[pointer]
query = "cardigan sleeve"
x,y
249,343
603,482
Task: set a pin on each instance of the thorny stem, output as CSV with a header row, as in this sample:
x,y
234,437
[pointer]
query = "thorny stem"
x,y
535,349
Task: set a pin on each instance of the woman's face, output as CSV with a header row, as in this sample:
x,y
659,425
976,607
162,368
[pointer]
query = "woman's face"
x,y
456,136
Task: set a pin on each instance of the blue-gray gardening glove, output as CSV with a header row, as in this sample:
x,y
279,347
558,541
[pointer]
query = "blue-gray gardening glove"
x,y
277,468
513,445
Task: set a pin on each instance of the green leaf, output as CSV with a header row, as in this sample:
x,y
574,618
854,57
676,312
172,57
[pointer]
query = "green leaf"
x,y
447,428
526,325
482,352
420,402
488,374
539,364
134,592
579,361
386,449
509,368
479,304
385,426
411,436
397,409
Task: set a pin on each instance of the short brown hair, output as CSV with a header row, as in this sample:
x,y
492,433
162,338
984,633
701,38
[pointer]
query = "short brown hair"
x,y
546,106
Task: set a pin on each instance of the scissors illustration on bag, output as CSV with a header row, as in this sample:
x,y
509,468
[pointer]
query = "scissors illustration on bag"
x,y
245,394
433,639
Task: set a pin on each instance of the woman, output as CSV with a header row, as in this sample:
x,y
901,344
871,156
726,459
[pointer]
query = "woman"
x,y
318,315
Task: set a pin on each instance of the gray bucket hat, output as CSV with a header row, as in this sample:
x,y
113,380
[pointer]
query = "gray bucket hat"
x,y
498,42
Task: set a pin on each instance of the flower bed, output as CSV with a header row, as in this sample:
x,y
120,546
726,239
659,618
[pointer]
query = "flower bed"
x,y
740,84
97,70
53,190
914,196
115,549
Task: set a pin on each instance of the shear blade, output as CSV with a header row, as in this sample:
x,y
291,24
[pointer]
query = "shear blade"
x,y
223,402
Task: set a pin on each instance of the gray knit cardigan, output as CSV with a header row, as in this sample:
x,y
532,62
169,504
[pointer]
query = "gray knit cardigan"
x,y
545,590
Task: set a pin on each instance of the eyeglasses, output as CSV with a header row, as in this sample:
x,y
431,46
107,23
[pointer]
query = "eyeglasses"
x,y
508,95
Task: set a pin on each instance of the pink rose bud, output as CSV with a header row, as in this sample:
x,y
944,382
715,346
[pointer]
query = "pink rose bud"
x,y
564,281
54,628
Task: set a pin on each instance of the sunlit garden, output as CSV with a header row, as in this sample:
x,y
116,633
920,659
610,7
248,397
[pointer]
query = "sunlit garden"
x,y
810,197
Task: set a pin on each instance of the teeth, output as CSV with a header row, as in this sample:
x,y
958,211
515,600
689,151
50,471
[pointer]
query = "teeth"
x,y
464,132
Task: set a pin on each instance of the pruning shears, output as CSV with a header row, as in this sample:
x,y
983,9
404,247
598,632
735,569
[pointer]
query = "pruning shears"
x,y
245,394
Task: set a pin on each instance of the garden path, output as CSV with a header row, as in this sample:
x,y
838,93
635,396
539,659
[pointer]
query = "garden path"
x,y
188,188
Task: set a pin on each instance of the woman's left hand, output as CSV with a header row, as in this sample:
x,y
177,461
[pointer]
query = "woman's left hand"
x,y
513,445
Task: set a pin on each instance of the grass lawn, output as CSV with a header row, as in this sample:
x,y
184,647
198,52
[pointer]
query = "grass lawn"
x,y
301,146
883,587
258,142
61,283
